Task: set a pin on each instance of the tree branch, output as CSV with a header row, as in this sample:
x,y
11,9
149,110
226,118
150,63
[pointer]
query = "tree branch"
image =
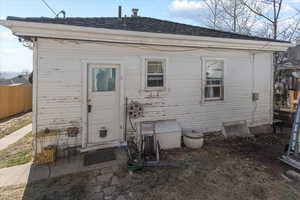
x,y
256,12
279,8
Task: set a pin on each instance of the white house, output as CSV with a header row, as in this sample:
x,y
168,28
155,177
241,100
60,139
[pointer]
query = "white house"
x,y
84,68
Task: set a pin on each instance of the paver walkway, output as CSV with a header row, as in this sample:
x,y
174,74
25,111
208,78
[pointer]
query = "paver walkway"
x,y
15,136
27,173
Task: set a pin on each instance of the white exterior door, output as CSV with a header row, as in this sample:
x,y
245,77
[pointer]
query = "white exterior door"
x,y
103,103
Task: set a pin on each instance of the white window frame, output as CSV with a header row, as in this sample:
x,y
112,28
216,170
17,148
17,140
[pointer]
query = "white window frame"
x,y
222,97
164,62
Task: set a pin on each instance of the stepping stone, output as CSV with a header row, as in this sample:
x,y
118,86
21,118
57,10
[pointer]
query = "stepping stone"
x,y
121,197
107,170
104,178
97,189
115,181
293,174
98,196
109,190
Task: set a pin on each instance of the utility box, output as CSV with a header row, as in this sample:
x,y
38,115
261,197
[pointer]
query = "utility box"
x,y
255,96
168,133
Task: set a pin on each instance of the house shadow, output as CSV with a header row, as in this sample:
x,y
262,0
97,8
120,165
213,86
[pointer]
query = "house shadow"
x,y
6,119
65,179
43,181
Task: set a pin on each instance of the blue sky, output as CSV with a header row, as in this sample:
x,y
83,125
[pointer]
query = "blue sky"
x,y
15,57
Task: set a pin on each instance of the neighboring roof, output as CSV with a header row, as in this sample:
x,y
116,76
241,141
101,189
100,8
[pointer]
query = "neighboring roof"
x,y
5,81
141,24
18,80
21,79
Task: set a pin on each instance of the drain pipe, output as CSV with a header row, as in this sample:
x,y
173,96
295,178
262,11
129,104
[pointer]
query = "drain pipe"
x,y
35,95
125,120
253,86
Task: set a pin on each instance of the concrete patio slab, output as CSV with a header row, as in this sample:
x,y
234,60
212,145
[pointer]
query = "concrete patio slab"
x,y
27,173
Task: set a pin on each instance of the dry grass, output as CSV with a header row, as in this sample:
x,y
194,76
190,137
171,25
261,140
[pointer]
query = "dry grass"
x,y
17,153
12,124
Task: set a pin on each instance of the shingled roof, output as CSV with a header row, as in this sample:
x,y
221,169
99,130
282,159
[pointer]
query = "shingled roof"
x,y
141,24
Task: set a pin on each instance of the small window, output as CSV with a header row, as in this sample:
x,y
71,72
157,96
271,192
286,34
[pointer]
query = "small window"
x,y
155,74
104,79
214,83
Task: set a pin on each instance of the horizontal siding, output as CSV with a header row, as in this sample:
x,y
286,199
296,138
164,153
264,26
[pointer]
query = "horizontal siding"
x,y
60,84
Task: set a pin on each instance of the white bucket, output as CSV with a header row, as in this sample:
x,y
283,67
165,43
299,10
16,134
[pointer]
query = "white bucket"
x,y
193,140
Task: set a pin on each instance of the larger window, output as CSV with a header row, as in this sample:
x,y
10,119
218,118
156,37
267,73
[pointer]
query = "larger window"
x,y
155,74
214,83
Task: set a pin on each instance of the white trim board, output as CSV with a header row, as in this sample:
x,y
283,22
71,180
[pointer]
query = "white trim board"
x,y
134,37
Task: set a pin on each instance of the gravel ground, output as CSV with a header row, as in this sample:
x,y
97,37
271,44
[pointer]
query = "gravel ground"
x,y
222,169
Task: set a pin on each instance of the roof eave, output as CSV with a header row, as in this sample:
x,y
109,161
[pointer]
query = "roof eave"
x,y
61,31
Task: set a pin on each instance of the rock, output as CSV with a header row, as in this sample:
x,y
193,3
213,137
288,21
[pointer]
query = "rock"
x,y
104,178
95,196
108,191
107,170
124,180
115,181
116,168
93,181
121,197
97,188
286,178
108,197
292,174
99,196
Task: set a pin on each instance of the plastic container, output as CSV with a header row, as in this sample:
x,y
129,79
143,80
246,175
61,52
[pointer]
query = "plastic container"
x,y
168,133
193,140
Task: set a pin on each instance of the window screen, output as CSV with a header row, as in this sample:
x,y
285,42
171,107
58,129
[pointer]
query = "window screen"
x,y
155,74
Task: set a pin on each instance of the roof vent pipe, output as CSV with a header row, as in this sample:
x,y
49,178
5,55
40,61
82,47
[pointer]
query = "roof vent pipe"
x,y
120,12
125,20
135,12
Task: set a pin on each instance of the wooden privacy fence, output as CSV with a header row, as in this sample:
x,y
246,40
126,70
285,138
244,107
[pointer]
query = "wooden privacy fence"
x,y
15,99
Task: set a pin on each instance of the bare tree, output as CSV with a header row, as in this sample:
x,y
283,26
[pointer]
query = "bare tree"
x,y
275,13
285,29
233,10
252,17
214,11
230,15
289,28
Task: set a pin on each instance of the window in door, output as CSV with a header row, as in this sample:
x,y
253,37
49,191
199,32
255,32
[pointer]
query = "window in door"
x,y
103,79
214,79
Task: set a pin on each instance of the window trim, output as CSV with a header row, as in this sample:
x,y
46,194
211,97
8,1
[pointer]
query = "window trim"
x,y
222,86
164,61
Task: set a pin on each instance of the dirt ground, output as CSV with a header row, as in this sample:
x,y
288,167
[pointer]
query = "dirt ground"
x,y
11,124
222,169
